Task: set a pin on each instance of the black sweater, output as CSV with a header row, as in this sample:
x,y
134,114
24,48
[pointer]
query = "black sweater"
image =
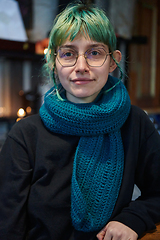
x,y
35,179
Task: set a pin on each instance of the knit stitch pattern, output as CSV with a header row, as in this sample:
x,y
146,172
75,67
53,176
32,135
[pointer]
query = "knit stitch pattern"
x,y
99,158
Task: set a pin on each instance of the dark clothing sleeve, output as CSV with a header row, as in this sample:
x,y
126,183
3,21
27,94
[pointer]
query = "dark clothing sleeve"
x,y
142,214
142,167
15,179
35,178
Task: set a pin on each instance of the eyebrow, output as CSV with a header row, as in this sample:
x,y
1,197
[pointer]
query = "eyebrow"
x,y
89,46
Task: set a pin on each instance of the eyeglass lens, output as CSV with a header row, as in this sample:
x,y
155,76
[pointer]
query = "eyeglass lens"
x,y
93,56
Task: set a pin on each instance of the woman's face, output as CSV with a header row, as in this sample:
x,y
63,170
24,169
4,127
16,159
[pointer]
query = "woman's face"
x,y
81,81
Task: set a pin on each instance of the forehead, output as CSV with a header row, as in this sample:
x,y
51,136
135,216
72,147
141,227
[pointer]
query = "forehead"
x,y
82,42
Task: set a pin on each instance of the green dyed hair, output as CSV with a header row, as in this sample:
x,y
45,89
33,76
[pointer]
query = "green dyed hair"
x,y
78,18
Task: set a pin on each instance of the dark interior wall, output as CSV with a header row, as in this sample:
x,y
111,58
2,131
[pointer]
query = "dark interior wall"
x,y
63,3
26,8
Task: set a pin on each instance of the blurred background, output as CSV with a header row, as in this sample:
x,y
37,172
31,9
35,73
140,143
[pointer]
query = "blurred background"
x,y
24,31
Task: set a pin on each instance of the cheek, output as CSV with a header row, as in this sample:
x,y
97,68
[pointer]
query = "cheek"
x,y
58,68
103,74
58,71
63,73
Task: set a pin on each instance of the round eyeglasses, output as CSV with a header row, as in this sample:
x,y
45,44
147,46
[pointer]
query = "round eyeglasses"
x,y
95,57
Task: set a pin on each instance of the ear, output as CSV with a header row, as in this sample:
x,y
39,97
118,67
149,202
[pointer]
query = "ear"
x,y
117,56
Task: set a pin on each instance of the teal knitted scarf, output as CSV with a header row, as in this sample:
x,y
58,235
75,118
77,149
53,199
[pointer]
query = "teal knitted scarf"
x,y
99,158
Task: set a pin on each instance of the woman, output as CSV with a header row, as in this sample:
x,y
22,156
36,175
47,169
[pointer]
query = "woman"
x,y
69,171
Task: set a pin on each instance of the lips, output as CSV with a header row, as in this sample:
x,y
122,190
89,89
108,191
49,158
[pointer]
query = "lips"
x,y
81,81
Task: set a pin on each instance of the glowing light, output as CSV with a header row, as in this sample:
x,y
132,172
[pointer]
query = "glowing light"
x,y
28,109
45,51
18,119
21,113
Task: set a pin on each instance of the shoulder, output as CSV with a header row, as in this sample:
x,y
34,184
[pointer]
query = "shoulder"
x,y
138,122
138,115
28,123
136,111
27,128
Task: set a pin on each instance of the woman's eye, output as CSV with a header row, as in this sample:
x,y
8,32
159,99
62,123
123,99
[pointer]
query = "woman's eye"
x,y
65,54
94,53
68,54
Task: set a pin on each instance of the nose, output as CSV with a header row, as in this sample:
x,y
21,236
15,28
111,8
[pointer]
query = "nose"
x,y
81,64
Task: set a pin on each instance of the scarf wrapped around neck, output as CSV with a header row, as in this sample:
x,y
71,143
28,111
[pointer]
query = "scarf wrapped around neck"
x,y
99,158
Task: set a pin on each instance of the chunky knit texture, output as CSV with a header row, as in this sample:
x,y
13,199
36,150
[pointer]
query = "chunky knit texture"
x,y
99,158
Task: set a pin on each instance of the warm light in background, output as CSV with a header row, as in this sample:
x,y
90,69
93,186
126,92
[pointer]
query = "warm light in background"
x,y
21,113
40,46
1,111
29,110
45,51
